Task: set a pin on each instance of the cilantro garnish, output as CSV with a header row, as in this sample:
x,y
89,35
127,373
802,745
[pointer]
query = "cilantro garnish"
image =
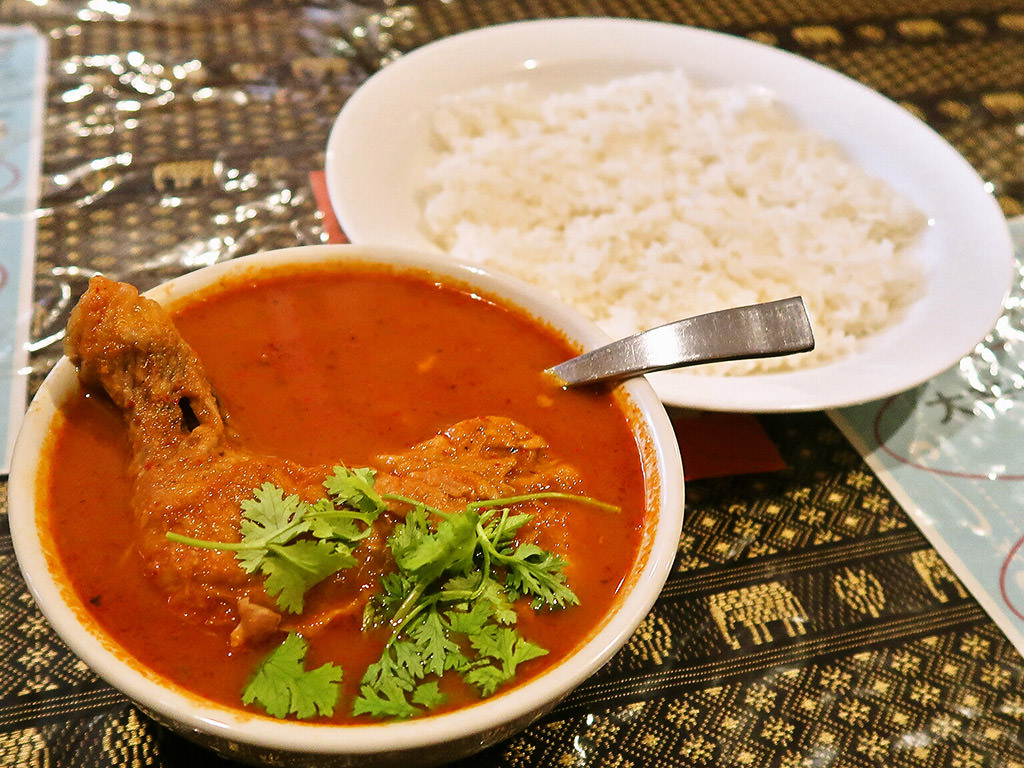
x,y
295,544
283,686
449,601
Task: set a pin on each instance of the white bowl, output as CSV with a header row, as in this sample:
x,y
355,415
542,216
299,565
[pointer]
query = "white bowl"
x,y
382,144
251,738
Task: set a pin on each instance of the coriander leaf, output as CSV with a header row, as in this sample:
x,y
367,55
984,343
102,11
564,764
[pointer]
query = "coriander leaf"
x,y
283,686
428,695
291,569
492,605
469,622
450,601
506,645
408,663
270,518
493,641
426,555
463,588
294,544
486,677
344,552
327,521
436,649
354,488
399,662
502,530
386,683
405,535
523,650
531,570
386,699
496,598
396,587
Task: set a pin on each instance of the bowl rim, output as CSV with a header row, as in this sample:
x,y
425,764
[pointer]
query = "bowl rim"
x,y
168,701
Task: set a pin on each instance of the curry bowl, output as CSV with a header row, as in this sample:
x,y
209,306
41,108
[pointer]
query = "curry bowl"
x,y
250,322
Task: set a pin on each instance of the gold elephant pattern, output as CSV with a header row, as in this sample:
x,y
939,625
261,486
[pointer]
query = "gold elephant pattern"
x,y
756,607
936,575
184,174
861,591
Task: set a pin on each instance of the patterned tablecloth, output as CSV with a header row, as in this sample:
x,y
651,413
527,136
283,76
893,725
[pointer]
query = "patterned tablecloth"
x,y
178,134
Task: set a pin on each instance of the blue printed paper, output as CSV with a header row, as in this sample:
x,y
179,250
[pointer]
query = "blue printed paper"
x,y
952,453
22,87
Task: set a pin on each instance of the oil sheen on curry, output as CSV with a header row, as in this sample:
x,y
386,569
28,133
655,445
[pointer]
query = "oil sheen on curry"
x,y
347,494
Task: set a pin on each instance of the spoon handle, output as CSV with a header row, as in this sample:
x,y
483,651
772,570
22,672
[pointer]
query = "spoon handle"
x,y
758,330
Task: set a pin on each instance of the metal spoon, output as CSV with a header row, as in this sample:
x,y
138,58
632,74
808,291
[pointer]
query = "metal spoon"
x,y
758,330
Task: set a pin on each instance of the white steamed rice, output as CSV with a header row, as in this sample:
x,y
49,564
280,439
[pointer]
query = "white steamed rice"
x,y
648,199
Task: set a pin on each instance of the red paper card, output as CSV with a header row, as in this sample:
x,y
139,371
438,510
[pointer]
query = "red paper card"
x,y
721,444
318,181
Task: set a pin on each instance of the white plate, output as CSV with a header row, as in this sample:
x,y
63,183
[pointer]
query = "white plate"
x,y
380,146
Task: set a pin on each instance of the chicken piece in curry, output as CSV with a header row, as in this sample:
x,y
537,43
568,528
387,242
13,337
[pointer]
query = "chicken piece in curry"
x,y
190,473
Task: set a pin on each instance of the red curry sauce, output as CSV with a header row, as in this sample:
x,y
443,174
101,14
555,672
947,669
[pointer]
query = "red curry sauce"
x,y
326,366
